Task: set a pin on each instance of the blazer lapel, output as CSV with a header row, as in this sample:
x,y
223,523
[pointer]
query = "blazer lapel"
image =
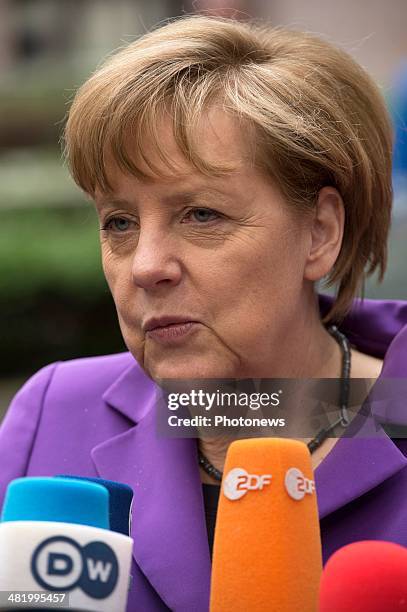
x,y
355,466
168,524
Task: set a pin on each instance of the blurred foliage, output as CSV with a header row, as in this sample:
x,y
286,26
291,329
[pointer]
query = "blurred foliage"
x,y
55,301
42,248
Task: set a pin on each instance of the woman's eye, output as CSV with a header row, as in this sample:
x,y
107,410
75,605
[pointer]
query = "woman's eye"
x,y
202,215
117,224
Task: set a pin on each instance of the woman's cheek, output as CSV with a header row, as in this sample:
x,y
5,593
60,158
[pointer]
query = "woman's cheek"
x,y
115,269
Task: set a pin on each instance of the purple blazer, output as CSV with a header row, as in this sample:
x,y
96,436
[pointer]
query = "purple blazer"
x,y
93,417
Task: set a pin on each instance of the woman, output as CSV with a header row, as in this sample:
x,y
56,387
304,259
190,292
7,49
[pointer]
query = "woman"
x,y
232,167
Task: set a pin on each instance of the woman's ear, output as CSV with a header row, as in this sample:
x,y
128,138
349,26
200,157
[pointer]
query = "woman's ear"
x,y
326,233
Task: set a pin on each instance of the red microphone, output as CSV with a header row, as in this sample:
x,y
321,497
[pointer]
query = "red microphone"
x,y
368,576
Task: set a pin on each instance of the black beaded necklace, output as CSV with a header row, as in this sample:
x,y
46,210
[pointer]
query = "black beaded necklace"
x,y
342,420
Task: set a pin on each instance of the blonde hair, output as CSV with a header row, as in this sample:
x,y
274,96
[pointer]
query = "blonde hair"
x,y
316,116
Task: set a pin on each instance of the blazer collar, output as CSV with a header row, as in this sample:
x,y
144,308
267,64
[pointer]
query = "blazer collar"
x,y
132,393
358,464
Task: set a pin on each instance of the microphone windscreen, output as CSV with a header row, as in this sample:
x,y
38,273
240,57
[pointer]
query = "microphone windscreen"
x,y
267,547
56,500
368,576
120,501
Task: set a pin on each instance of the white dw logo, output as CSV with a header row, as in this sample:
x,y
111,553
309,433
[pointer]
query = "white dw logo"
x,y
297,484
238,482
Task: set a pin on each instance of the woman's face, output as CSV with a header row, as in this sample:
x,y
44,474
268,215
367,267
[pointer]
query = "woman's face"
x,y
223,255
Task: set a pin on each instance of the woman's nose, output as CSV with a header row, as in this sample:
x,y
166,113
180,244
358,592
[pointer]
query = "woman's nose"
x,y
155,261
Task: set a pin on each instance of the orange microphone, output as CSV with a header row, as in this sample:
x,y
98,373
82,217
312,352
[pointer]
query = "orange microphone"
x,y
267,547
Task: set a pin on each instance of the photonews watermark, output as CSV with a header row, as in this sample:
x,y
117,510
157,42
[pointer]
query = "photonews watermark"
x,y
290,408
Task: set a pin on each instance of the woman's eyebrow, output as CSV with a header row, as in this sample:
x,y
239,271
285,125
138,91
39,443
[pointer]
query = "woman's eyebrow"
x,y
181,197
107,202
187,197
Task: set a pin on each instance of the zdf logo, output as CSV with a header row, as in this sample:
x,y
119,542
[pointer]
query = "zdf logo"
x,y
297,484
60,564
238,482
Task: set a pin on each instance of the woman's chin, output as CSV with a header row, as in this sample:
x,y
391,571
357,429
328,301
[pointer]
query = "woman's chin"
x,y
186,371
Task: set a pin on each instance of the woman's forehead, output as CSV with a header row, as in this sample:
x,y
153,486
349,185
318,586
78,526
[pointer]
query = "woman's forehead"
x,y
173,189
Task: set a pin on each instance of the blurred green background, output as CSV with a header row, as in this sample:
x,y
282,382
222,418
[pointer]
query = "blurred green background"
x,y
54,302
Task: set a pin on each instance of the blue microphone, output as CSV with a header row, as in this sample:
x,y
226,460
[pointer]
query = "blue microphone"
x,y
55,541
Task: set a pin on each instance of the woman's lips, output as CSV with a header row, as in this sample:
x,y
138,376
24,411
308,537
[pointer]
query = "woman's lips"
x,y
173,333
